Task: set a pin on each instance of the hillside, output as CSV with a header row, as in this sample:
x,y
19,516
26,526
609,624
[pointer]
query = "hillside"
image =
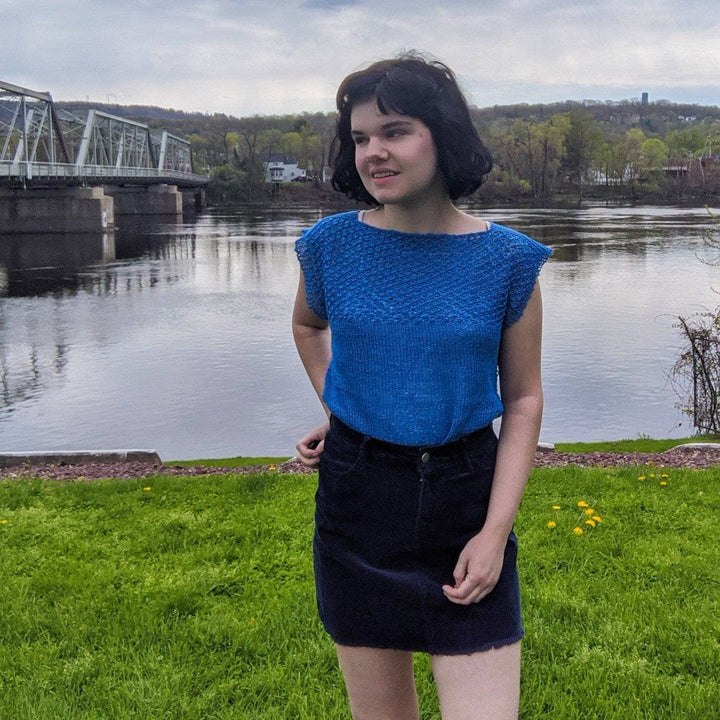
x,y
658,117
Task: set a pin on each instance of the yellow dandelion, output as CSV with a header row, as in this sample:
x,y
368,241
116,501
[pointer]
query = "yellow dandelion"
x,y
578,530
556,507
146,489
3,522
652,474
664,475
641,477
591,523
271,467
663,483
590,511
597,518
551,524
583,504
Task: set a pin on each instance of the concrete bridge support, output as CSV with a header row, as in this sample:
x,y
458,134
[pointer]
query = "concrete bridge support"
x,y
163,200
49,210
194,200
92,209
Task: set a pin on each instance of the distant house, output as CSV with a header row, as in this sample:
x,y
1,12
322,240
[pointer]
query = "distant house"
x,y
597,177
697,171
281,168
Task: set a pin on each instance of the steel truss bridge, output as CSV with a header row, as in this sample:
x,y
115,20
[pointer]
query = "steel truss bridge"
x,y
41,146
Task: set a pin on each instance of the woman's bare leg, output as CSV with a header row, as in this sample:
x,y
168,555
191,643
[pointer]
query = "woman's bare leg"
x,y
481,686
380,683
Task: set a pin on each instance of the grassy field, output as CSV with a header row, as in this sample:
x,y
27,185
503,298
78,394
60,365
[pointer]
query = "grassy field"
x,y
192,598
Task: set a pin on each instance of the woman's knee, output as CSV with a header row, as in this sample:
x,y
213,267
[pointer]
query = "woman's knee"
x,y
380,683
481,686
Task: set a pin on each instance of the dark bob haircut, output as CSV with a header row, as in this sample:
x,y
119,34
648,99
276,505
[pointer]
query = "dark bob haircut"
x,y
423,89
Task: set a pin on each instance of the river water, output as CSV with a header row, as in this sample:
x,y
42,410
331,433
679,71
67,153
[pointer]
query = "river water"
x,y
177,337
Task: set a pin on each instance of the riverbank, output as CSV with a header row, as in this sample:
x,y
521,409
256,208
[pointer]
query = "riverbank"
x,y
689,455
323,195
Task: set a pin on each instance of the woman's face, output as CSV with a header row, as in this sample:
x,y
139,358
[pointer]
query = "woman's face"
x,y
395,156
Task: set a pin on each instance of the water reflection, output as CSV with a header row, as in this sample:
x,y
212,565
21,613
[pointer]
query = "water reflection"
x,y
136,237
177,336
34,264
37,361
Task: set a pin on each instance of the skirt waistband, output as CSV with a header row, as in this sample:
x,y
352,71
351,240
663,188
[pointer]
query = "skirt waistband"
x,y
450,449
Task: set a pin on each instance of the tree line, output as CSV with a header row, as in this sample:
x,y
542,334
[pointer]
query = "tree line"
x,y
575,153
625,150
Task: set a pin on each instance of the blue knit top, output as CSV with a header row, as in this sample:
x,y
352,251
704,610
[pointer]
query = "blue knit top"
x,y
415,322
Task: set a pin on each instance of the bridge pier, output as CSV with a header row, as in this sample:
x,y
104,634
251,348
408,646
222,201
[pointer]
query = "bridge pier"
x,y
149,200
50,210
194,200
92,209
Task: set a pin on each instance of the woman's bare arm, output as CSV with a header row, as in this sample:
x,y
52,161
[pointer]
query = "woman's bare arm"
x,y
312,339
480,562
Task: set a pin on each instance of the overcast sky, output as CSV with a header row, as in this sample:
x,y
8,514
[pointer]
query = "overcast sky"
x,y
246,57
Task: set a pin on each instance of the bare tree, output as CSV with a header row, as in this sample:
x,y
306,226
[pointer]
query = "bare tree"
x,y
696,373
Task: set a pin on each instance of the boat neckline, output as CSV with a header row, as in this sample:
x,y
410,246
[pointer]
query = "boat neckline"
x,y
490,228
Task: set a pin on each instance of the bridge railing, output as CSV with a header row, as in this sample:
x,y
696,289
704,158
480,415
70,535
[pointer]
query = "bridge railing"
x,y
59,171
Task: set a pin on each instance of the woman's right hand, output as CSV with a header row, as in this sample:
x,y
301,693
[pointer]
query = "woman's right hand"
x,y
311,446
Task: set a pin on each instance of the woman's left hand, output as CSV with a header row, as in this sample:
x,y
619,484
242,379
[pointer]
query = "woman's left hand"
x,y
478,569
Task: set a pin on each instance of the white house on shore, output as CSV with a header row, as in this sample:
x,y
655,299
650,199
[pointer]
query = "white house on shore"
x,y
282,168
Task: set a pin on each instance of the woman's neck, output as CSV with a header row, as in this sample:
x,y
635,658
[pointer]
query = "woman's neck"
x,y
439,217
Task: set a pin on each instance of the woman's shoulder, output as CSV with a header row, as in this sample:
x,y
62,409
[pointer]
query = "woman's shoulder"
x,y
510,235
334,222
514,242
326,233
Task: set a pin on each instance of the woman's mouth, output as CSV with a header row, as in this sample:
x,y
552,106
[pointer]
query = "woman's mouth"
x,y
382,174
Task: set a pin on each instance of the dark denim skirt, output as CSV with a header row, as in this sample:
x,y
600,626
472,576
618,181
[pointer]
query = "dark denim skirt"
x,y
390,522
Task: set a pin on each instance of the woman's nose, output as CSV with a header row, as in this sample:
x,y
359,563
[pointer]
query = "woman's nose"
x,y
376,149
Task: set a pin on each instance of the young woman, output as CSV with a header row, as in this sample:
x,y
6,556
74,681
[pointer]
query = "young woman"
x,y
414,547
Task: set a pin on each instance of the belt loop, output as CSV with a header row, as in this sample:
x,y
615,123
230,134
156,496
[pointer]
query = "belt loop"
x,y
361,449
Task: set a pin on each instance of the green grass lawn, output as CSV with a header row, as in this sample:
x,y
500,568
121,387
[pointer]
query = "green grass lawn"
x,y
176,597
240,461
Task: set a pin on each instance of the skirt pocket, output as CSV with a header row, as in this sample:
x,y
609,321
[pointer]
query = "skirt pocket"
x,y
340,479
480,453
342,453
463,498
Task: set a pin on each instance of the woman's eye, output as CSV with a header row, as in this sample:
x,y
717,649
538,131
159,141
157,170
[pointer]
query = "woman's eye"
x,y
359,140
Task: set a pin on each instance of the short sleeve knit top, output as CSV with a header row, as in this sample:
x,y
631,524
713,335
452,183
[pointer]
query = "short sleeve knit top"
x,y
416,322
